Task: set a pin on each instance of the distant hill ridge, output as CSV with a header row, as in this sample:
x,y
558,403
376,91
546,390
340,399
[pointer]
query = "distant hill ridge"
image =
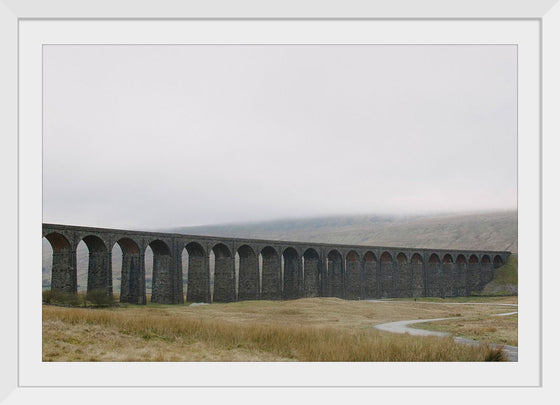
x,y
483,231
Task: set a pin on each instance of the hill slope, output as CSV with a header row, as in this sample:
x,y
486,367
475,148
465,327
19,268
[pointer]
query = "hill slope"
x,y
484,231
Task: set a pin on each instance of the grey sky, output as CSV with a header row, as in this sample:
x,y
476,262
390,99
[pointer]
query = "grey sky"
x,y
163,136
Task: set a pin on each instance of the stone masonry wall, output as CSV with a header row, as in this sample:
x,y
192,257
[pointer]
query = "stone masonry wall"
x,y
361,272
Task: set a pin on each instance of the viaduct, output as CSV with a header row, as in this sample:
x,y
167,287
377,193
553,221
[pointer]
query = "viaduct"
x,y
271,270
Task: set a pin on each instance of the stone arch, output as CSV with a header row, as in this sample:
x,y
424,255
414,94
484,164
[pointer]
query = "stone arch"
x,y
498,262
353,276
133,282
198,273
403,276
434,284
370,275
418,275
335,274
447,270
248,288
63,265
387,275
99,274
58,242
434,258
224,274
416,259
162,277
292,274
271,274
312,277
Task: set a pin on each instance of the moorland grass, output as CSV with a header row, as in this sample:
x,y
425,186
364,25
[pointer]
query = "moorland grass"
x,y
155,334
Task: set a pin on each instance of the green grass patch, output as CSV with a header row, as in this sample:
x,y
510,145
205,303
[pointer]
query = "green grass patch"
x,y
504,281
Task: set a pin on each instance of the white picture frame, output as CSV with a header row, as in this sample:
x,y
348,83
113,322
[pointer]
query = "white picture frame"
x,y
545,13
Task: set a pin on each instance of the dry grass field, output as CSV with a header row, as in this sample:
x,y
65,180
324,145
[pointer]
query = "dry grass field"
x,y
317,329
498,329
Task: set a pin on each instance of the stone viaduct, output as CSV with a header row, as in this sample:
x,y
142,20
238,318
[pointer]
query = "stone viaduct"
x,y
271,270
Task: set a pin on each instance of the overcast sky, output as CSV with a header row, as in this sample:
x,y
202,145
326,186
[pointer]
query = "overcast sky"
x,y
165,136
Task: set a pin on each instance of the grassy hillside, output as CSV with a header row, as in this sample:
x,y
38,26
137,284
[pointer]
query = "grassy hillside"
x,y
492,231
505,279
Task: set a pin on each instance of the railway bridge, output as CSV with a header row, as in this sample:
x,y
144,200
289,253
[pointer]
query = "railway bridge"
x,y
223,269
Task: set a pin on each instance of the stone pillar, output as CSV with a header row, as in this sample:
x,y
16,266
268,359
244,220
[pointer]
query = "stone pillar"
x,y
486,272
292,270
99,272
271,275
403,278
370,276
353,279
131,278
447,282
177,273
64,274
473,275
198,289
141,281
335,286
162,279
460,278
387,276
312,278
248,276
417,277
434,276
224,278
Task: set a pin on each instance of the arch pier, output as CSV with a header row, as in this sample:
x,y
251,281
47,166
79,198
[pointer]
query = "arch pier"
x,y
269,270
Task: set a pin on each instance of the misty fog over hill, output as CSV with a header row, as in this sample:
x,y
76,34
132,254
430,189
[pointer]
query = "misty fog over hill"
x,y
485,231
